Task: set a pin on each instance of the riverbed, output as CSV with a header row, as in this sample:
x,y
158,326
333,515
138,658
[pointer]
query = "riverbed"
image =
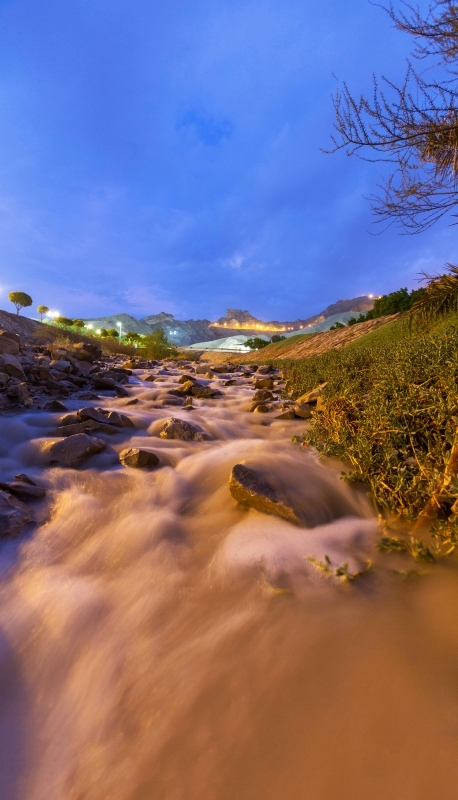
x,y
159,641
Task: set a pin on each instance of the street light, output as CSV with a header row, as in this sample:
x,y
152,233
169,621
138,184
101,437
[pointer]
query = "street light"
x,y
98,331
90,326
119,325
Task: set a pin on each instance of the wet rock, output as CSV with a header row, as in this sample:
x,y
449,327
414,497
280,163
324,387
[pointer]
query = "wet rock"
x,y
61,365
120,391
312,397
11,366
186,379
55,405
288,414
134,457
263,383
249,489
24,489
87,396
100,382
303,410
201,369
9,343
149,378
263,395
262,408
175,428
94,414
85,427
204,391
186,388
14,515
264,369
119,420
71,451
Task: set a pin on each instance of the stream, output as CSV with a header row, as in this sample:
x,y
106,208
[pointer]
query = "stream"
x,y
159,641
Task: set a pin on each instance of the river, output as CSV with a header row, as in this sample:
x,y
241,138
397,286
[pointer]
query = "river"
x,y
161,642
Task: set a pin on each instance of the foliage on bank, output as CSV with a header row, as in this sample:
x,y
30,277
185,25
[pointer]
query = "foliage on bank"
x,y
391,413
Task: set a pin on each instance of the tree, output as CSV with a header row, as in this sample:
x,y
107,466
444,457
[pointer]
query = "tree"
x,y
20,300
65,322
78,323
438,299
113,333
103,333
132,337
414,125
256,343
156,345
42,310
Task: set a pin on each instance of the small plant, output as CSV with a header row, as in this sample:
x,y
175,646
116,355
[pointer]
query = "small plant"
x,y
42,310
331,570
20,300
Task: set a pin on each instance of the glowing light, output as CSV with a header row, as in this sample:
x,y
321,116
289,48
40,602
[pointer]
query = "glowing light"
x,y
90,326
371,295
98,331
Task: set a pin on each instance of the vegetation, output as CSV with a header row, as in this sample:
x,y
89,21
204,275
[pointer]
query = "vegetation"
x,y
20,300
78,323
256,343
131,337
156,345
414,125
42,310
391,413
113,333
64,322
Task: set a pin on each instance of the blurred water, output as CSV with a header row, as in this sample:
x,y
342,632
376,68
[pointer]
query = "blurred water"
x,y
160,642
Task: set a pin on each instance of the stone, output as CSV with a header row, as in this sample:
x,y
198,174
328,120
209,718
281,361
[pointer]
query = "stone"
x,y
263,383
148,378
55,405
261,408
14,515
120,391
288,414
68,419
9,343
204,391
87,396
250,489
134,457
100,382
313,395
186,388
84,367
71,451
175,428
186,378
119,420
23,489
263,394
23,395
94,414
85,427
201,369
61,365
303,411
11,366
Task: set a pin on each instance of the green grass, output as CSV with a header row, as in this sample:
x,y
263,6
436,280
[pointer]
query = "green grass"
x,y
391,412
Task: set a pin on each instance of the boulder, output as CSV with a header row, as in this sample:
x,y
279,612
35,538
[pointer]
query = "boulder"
x,y
71,451
9,343
134,457
288,414
11,366
313,395
204,391
149,378
61,365
263,394
303,410
175,428
118,420
264,383
55,405
186,378
24,489
249,489
14,515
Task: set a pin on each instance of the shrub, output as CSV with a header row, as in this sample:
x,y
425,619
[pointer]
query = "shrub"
x,y
255,343
113,333
277,338
65,322
20,300
78,323
156,345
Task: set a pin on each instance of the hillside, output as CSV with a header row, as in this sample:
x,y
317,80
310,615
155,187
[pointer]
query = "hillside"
x,y
309,345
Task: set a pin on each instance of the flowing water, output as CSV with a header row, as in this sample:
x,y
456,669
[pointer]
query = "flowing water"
x,y
160,642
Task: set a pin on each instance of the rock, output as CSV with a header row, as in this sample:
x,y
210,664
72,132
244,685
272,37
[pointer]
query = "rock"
x,y
100,382
149,378
263,394
14,515
11,366
84,367
134,457
23,395
288,414
249,489
71,451
186,388
263,369
9,343
312,397
85,427
119,420
120,391
129,365
55,405
264,383
261,408
94,414
186,379
204,391
68,419
201,369
175,428
87,396
303,411
61,365
188,402
320,404
23,489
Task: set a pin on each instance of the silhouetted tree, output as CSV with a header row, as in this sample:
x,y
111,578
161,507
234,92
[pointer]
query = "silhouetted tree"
x,y
42,310
413,125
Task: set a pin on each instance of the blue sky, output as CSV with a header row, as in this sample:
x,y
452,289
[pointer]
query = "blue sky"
x,y
165,156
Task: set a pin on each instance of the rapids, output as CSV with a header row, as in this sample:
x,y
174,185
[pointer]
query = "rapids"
x,y
160,642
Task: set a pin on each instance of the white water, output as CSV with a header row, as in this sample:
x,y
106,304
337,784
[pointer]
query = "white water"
x,y
147,654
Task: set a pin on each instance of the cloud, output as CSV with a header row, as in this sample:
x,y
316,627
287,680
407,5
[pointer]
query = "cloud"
x,y
207,129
